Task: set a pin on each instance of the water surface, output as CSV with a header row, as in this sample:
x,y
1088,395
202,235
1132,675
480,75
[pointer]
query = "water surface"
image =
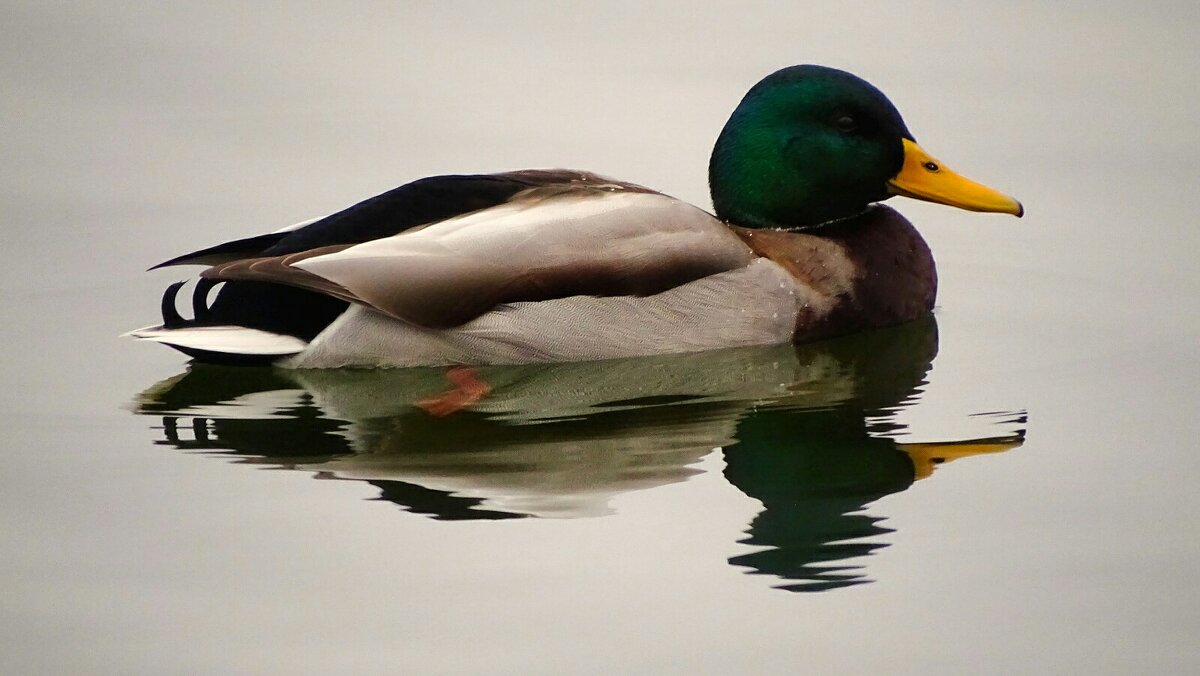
x,y
1009,491
809,432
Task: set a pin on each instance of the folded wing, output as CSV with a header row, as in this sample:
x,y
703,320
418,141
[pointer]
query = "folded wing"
x,y
544,246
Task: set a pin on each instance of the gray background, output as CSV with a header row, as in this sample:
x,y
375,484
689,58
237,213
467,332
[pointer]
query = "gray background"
x,y
133,132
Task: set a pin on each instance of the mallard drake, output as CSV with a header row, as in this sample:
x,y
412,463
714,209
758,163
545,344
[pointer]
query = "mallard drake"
x,y
558,265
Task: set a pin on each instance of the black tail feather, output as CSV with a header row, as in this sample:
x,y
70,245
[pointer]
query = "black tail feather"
x,y
200,297
171,317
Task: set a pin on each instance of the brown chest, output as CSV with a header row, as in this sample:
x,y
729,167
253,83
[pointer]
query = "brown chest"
x,y
871,271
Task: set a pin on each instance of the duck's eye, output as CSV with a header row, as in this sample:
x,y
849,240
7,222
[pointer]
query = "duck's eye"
x,y
930,166
846,123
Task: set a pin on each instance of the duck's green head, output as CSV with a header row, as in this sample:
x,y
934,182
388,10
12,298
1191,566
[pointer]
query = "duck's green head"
x,y
810,144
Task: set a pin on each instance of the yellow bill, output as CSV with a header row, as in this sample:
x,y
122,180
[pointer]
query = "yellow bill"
x,y
926,457
925,178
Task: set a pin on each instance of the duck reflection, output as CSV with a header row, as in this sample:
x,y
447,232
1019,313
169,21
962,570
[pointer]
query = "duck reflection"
x,y
804,429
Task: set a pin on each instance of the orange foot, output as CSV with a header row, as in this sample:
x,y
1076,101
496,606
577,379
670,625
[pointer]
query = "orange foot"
x,y
467,390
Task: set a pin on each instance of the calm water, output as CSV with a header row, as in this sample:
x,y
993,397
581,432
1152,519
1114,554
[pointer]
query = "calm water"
x,y
808,432
1008,488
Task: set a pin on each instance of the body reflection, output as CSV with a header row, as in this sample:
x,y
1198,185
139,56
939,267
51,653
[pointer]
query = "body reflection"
x,y
804,430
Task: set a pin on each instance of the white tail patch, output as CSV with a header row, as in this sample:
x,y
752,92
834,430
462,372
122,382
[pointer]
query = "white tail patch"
x,y
225,339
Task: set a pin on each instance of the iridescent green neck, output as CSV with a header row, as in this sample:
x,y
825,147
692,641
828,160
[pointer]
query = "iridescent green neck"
x,y
806,146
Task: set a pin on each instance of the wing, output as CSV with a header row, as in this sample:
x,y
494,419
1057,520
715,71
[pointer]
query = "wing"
x,y
428,200
549,243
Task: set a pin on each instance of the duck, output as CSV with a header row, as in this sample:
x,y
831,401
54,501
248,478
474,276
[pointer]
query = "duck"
x,y
558,265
